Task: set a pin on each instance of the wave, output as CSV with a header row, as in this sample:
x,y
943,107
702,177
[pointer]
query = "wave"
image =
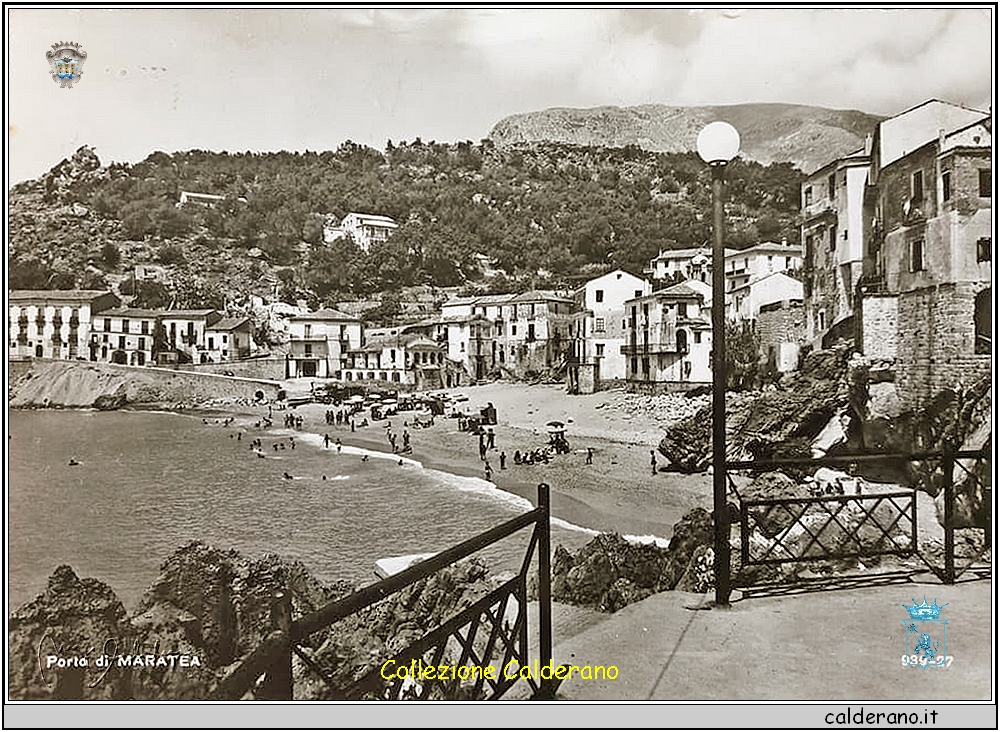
x,y
469,484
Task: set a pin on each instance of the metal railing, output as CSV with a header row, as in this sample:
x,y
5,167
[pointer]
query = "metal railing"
x,y
267,670
780,530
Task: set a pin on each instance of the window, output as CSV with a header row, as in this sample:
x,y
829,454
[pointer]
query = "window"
x,y
808,196
142,344
637,293
984,247
144,327
946,185
600,350
599,324
917,255
985,183
392,354
307,330
831,185
983,322
634,364
225,338
917,185
125,325
697,336
822,320
531,331
809,251
599,295
308,349
121,342
624,324
107,324
211,343
462,347
513,329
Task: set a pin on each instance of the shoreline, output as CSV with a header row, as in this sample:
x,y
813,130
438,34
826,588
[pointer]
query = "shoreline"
x,y
617,493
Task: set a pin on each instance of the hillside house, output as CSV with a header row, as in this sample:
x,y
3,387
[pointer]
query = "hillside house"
x,y
54,323
364,229
403,360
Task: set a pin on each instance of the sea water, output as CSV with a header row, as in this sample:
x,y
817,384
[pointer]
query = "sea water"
x,y
146,483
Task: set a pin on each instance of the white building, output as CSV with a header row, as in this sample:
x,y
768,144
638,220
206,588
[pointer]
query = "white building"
x,y
669,342
54,323
760,260
745,302
364,229
320,342
600,330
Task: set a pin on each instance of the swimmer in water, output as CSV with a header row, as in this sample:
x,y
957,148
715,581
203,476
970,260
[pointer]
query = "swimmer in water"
x,y
73,461
364,458
287,476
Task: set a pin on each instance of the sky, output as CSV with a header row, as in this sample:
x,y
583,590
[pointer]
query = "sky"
x,y
309,79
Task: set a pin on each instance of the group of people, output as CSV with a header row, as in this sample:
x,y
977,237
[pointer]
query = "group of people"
x,y
293,421
338,417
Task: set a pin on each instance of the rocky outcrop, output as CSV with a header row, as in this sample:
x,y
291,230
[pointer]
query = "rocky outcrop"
x,y
214,606
610,572
768,424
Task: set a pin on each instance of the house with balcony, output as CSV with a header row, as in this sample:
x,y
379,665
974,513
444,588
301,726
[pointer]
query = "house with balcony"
x,y
926,293
126,336
319,344
54,323
676,265
669,340
599,330
185,335
364,229
402,360
230,339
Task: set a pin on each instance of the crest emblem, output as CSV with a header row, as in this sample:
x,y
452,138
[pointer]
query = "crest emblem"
x,y
926,635
66,60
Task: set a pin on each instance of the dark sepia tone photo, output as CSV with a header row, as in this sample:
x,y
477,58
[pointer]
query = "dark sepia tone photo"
x,y
467,354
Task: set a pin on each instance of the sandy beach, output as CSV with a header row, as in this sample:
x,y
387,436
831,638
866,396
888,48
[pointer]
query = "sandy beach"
x,y
617,492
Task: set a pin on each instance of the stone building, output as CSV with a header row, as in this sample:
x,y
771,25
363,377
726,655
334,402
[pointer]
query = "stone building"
x,y
600,329
926,295
833,233
54,323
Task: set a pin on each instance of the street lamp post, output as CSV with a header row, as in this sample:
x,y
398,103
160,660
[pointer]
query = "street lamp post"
x,y
718,143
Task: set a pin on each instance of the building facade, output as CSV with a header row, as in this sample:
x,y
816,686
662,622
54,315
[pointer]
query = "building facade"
x,y
127,336
54,323
404,360
230,339
834,228
185,335
600,329
927,290
364,229
320,343
670,338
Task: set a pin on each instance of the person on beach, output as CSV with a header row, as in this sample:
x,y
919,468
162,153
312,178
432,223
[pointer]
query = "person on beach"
x,y
652,460
517,457
489,471
352,425
590,456
338,445
503,460
326,440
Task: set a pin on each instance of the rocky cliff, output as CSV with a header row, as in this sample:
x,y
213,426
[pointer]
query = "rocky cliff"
x,y
807,136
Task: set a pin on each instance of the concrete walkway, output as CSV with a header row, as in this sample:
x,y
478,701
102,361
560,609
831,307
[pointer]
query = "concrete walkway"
x,y
831,645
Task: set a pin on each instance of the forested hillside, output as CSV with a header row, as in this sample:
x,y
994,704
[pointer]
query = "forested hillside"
x,y
544,213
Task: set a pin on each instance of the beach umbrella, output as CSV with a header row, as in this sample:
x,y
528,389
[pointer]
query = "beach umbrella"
x,y
373,395
389,402
554,427
356,399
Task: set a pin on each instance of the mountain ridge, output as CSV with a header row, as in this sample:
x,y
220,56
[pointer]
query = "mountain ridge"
x,y
770,132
